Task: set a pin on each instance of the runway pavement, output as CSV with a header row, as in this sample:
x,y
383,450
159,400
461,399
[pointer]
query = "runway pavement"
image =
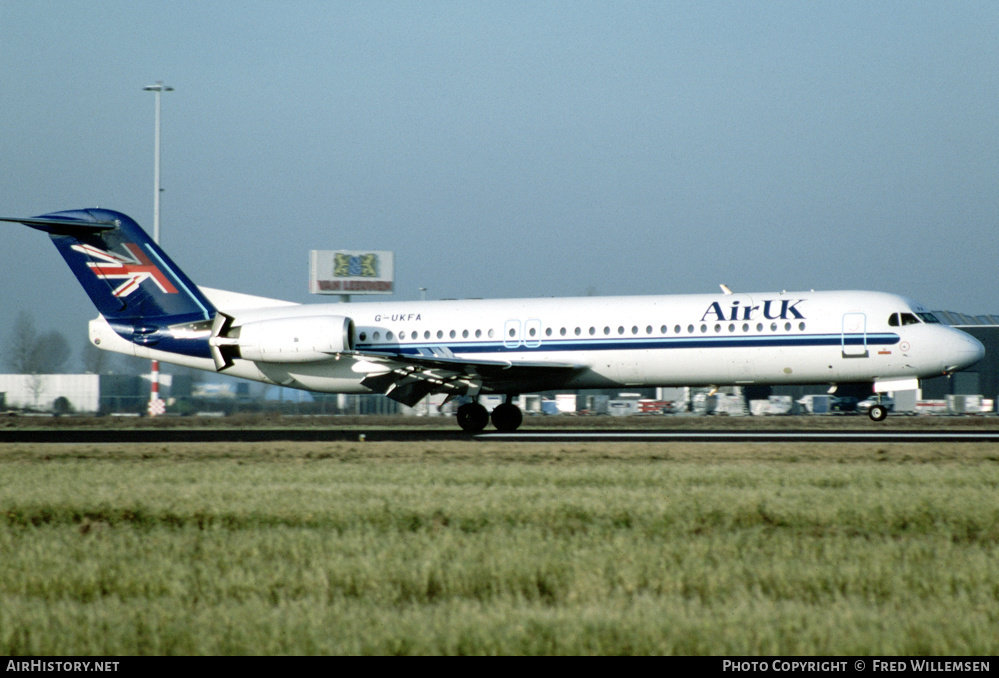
x,y
706,436
409,434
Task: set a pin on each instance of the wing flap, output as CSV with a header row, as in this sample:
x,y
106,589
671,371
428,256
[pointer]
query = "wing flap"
x,y
466,366
409,378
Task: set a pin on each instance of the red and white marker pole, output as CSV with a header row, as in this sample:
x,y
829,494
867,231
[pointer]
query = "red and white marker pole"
x,y
156,406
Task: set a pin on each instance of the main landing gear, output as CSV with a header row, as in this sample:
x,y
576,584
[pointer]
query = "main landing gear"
x,y
473,417
507,417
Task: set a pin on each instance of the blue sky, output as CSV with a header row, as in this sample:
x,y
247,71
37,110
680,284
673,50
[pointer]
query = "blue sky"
x,y
507,149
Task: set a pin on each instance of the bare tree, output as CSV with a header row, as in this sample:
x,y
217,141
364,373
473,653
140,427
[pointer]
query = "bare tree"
x,y
21,355
33,353
95,360
53,353
36,385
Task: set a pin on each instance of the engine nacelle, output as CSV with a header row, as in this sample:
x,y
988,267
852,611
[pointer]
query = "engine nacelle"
x,y
294,340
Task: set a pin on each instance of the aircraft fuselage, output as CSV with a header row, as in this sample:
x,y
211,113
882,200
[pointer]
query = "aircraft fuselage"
x,y
674,340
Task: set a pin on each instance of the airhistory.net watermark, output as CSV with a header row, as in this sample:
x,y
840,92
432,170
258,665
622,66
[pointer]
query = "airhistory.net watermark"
x,y
29,665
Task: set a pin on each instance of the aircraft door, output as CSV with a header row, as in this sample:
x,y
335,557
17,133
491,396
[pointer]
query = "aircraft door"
x,y
854,336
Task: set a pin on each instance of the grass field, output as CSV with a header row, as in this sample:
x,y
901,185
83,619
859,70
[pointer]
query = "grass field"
x,y
484,548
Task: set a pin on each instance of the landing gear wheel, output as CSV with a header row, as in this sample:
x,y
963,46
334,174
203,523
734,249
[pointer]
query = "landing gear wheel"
x,y
472,417
878,413
507,418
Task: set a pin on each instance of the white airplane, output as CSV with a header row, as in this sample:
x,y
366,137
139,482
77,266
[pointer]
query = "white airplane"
x,y
408,350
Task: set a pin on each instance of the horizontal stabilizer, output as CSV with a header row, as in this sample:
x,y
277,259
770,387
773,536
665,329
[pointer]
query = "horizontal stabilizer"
x,y
64,225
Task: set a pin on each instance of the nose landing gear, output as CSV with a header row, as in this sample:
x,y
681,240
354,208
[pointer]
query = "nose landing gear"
x,y
878,413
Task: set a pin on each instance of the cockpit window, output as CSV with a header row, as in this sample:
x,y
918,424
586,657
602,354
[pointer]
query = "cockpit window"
x,y
929,318
909,319
897,319
893,320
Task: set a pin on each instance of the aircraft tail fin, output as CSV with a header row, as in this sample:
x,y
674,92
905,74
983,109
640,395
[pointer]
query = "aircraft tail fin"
x,y
128,277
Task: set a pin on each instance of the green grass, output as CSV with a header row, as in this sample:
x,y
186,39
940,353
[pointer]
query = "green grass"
x,y
468,548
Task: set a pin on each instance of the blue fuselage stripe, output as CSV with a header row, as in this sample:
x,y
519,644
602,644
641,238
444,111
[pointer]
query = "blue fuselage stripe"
x,y
639,344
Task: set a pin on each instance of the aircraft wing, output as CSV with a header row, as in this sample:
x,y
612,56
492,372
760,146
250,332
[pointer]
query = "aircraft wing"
x,y
407,378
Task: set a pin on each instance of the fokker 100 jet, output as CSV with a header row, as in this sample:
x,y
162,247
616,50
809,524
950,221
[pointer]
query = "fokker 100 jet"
x,y
408,350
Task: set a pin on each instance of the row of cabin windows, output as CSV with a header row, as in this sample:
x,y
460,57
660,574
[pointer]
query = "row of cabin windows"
x,y
532,332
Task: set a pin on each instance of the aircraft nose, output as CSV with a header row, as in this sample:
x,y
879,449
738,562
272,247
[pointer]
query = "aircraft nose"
x,y
967,351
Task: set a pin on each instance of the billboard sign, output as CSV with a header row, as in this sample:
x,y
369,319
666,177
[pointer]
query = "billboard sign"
x,y
351,272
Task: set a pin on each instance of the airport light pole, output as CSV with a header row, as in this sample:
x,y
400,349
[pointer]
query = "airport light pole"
x,y
156,406
158,89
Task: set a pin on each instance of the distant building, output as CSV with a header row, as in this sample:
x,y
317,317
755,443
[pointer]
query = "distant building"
x,y
980,379
63,393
